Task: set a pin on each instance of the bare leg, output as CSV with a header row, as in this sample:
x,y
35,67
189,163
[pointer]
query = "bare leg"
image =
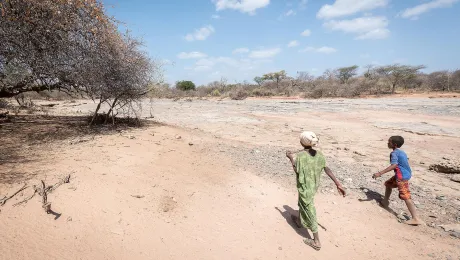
x,y
415,219
386,201
316,237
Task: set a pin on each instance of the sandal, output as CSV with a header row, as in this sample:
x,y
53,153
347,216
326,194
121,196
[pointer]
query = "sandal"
x,y
311,243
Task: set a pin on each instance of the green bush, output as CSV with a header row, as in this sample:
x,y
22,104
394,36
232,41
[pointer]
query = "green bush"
x,y
185,85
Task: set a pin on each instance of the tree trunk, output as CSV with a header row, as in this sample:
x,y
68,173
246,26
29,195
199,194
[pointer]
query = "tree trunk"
x,y
111,111
393,88
20,99
95,113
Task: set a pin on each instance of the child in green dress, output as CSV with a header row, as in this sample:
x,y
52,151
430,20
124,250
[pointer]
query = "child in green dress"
x,y
308,165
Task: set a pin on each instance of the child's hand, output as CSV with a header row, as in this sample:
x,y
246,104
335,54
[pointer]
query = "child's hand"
x,y
376,175
288,154
341,190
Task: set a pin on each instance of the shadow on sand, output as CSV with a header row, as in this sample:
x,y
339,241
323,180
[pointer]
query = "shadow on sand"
x,y
20,134
288,211
377,197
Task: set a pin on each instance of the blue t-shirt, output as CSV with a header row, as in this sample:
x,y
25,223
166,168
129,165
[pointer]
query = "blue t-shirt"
x,y
402,171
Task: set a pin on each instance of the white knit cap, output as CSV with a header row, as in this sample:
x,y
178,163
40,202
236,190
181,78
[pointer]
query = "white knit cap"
x,y
308,138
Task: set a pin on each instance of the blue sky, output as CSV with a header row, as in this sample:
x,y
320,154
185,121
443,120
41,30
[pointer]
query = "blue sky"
x,y
205,40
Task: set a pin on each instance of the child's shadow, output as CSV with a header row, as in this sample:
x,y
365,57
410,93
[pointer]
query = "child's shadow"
x,y
373,195
287,213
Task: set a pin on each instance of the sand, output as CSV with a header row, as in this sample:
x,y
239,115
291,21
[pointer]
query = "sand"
x,y
147,194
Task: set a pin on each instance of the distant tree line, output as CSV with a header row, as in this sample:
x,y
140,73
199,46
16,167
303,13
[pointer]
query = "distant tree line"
x,y
339,82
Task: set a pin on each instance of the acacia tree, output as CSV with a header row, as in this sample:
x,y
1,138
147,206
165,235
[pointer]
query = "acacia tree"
x,y
71,46
45,43
185,85
345,73
127,76
259,81
397,74
276,77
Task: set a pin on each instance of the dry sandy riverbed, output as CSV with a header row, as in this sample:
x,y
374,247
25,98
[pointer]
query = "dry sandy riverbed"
x,y
224,189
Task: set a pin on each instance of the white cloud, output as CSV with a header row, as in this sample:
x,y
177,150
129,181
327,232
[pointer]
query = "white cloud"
x,y
191,55
306,33
342,8
374,27
200,34
303,4
240,50
244,6
293,44
414,12
374,34
290,12
264,53
324,49
215,16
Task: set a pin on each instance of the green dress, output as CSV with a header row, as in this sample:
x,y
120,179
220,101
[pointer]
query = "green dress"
x,y
308,171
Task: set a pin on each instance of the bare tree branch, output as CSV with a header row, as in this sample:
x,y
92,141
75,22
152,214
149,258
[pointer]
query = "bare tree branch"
x,y
5,199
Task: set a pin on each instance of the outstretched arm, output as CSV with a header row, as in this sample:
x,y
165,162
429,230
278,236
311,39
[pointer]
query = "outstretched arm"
x,y
337,183
290,155
388,169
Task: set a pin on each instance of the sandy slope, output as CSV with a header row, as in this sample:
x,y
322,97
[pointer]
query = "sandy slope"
x,y
195,203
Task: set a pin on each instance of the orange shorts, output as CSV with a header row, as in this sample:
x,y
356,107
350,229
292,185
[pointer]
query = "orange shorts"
x,y
403,187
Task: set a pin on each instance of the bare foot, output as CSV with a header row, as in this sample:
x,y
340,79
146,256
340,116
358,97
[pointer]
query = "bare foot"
x,y
313,243
414,222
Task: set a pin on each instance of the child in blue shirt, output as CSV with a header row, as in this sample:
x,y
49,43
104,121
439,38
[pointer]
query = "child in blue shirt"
x,y
400,165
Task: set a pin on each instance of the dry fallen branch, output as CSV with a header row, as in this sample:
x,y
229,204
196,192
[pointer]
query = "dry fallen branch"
x,y
27,199
5,199
66,179
43,191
